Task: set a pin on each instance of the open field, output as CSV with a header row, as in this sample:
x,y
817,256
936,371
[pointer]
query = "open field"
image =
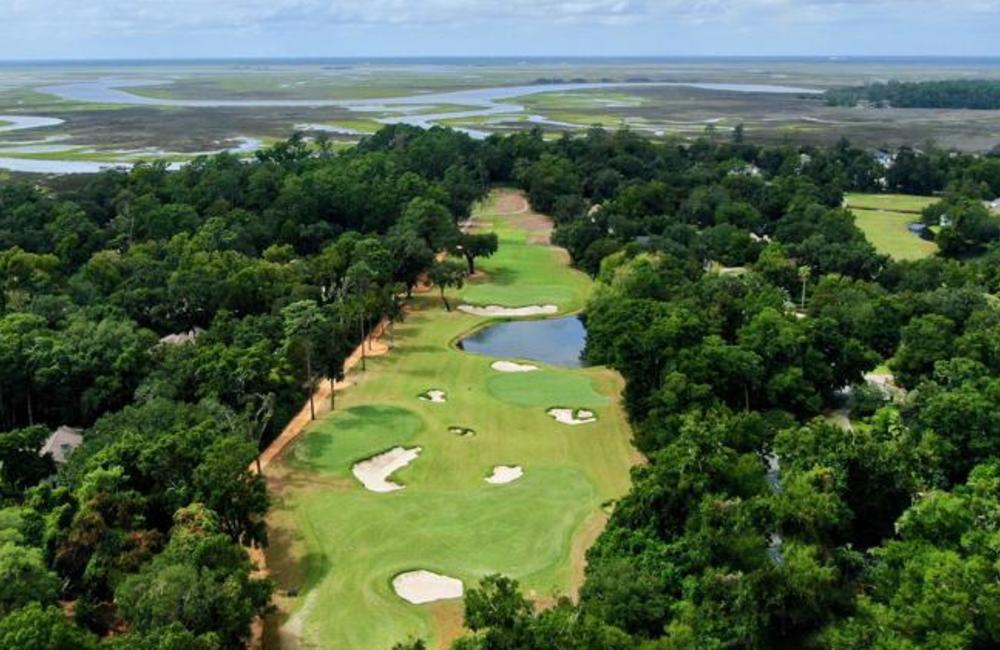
x,y
884,219
892,202
341,546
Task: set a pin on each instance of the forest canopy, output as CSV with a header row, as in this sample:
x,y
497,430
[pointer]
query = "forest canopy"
x,y
819,420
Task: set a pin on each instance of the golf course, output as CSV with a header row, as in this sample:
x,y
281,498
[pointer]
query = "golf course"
x,y
488,465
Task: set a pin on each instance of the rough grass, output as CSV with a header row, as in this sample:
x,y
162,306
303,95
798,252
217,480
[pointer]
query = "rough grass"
x,y
340,545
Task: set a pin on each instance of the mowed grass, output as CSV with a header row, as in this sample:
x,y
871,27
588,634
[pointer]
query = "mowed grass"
x,y
891,202
340,545
523,273
888,233
884,219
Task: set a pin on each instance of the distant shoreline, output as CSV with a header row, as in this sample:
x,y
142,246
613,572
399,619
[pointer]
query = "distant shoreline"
x,y
503,60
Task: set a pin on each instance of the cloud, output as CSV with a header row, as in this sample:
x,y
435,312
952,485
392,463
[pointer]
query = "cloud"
x,y
317,27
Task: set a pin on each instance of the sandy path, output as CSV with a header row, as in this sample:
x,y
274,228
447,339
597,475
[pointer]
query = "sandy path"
x,y
509,202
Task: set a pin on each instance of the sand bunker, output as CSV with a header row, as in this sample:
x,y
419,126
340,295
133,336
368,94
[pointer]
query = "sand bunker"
x,y
374,473
573,416
509,312
464,432
505,474
420,587
433,395
510,366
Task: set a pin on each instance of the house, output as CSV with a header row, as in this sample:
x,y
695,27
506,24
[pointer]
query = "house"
x,y
749,169
995,204
183,338
884,158
62,443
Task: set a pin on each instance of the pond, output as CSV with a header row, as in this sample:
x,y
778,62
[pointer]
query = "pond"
x,y
556,341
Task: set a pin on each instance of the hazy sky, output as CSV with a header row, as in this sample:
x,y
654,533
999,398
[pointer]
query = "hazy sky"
x,y
226,28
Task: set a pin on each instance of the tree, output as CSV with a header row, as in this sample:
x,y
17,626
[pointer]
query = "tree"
x,y
430,221
43,628
237,496
304,323
24,578
446,274
473,245
201,582
20,464
804,274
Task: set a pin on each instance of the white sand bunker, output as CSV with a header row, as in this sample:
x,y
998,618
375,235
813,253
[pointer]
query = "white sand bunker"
x,y
505,474
420,587
374,473
511,312
464,432
434,395
510,366
572,416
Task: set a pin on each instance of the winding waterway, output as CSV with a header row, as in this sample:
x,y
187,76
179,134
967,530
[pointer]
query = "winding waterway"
x,y
415,110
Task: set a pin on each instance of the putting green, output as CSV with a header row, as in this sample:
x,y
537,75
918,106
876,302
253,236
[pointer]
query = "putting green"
x,y
545,390
338,546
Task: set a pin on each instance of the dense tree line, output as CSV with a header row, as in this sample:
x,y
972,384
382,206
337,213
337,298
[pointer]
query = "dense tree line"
x,y
788,501
182,317
979,94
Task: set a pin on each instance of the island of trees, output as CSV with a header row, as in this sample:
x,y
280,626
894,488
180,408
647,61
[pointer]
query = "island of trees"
x,y
978,94
819,421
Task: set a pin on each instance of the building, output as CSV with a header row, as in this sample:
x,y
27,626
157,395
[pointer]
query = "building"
x,y
183,338
995,204
62,443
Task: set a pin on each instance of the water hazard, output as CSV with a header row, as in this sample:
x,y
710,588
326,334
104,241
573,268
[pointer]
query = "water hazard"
x,y
556,341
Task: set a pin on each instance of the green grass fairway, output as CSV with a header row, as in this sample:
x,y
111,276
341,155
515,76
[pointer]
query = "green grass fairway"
x,y
891,202
525,273
888,233
339,546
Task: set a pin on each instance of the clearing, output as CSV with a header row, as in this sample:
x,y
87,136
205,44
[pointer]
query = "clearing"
x,y
884,218
340,547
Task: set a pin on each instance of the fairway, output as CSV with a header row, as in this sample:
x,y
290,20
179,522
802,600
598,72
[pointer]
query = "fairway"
x,y
338,546
884,218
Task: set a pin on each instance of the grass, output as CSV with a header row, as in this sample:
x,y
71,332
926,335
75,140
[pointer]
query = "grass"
x,y
890,202
884,219
340,545
522,273
888,233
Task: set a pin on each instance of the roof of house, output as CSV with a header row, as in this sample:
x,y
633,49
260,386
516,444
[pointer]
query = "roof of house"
x,y
183,338
61,443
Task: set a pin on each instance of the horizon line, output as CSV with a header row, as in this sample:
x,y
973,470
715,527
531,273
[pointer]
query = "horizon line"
x,y
833,58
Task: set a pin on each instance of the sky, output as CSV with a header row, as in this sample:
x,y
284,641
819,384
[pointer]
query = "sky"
x,y
89,29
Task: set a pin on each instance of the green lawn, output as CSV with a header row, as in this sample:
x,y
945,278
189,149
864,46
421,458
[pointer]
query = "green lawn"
x,y
522,273
891,202
340,545
888,233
